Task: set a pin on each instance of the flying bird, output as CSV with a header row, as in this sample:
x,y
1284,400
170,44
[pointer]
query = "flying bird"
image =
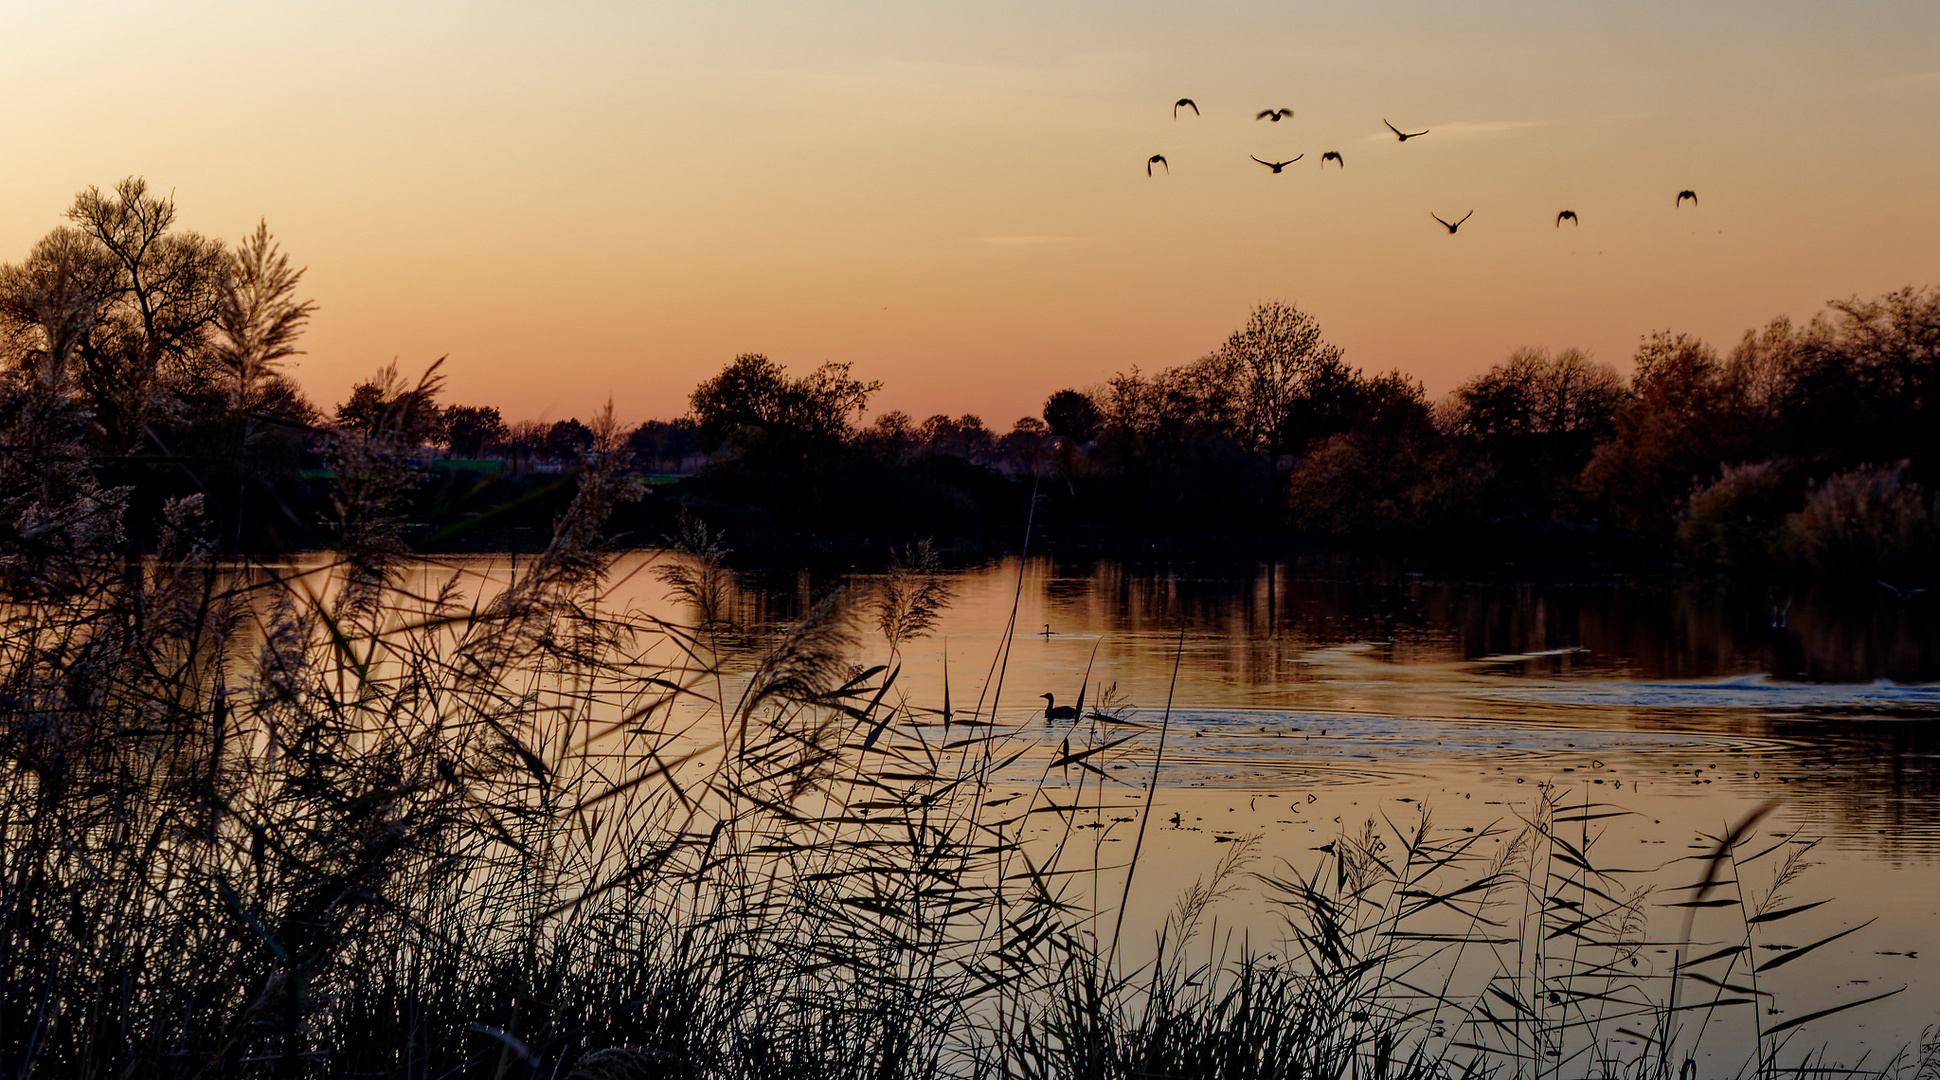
x,y
1157,159
1570,215
1276,166
1275,115
1055,711
1333,156
1404,136
1451,228
1184,103
1687,193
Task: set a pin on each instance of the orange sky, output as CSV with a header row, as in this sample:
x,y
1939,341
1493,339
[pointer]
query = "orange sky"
x,y
576,200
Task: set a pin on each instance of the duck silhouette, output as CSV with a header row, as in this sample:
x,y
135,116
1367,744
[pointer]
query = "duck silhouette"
x,y
1157,159
1687,193
1569,215
1184,103
1055,711
1275,115
1276,166
1451,228
1404,136
1333,156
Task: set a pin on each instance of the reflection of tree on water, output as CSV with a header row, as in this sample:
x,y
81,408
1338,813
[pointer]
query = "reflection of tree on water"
x,y
1640,627
1259,635
1876,781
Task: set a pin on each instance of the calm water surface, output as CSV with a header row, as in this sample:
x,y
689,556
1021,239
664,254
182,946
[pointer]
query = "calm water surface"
x,y
1291,705
1307,703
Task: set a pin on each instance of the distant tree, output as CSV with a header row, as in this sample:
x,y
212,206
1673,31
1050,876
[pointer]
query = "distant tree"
x,y
1072,414
1862,385
126,302
568,438
1025,447
892,437
471,428
963,437
1286,386
526,438
1391,475
1681,426
408,414
1538,418
660,443
754,394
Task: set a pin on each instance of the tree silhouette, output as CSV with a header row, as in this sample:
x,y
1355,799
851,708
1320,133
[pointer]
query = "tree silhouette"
x,y
754,396
1537,419
1073,415
470,428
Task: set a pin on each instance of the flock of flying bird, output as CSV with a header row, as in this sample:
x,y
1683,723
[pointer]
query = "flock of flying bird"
x,y
1277,115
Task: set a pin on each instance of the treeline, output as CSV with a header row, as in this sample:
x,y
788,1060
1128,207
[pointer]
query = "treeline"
x,y
141,363
1805,448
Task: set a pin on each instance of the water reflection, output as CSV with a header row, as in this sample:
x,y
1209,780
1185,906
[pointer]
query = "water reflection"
x,y
1815,695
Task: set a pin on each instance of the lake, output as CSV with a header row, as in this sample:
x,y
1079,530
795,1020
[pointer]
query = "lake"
x,y
1309,700
1281,707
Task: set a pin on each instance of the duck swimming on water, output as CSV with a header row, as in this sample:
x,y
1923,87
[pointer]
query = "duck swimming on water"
x,y
1055,711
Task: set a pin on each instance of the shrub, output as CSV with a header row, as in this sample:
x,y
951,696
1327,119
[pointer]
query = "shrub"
x,y
1867,523
1737,521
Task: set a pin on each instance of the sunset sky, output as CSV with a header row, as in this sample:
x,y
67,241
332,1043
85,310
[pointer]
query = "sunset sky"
x,y
577,200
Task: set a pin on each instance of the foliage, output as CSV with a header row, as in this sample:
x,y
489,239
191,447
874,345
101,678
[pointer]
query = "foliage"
x,y
171,346
469,429
1073,415
1734,522
1536,419
1870,523
753,398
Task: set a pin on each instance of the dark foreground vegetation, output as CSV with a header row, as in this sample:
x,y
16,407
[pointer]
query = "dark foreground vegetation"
x,y
353,818
1804,450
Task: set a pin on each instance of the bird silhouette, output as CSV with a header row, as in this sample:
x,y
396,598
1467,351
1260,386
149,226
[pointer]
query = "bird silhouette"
x,y
1055,711
1275,115
1333,156
1404,136
1451,228
1184,103
1900,591
1276,166
1687,193
1570,215
1157,159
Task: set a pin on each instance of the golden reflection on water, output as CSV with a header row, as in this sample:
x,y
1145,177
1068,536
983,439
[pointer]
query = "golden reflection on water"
x,y
1308,704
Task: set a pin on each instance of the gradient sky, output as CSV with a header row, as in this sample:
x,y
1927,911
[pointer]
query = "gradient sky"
x,y
573,200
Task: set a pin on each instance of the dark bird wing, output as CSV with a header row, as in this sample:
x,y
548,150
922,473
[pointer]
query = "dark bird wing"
x,y
1394,129
1445,225
1465,217
1293,159
1263,114
1268,164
